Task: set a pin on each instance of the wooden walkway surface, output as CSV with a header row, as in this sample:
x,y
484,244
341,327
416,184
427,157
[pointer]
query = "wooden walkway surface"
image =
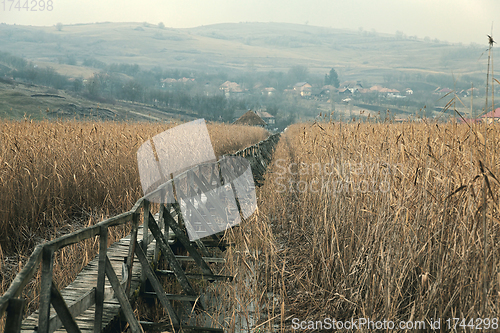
x,y
86,280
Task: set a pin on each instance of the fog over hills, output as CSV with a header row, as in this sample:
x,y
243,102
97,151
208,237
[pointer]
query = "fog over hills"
x,y
243,47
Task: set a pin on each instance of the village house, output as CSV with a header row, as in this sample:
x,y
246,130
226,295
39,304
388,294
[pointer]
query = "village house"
x,y
303,89
492,116
267,117
269,91
230,88
250,118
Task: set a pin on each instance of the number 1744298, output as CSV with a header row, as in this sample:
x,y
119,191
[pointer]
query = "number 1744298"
x,y
27,5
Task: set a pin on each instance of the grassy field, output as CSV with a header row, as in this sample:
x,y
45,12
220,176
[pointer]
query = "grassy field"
x,y
389,221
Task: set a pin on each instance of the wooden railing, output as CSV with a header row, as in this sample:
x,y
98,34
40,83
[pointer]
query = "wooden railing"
x,y
13,305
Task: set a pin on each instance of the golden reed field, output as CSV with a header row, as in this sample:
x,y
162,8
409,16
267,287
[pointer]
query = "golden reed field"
x,y
395,222
56,177
379,221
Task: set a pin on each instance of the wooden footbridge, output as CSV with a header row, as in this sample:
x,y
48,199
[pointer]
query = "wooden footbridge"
x,y
103,292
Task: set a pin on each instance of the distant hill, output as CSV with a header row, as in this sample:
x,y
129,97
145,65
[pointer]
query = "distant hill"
x,y
239,46
23,100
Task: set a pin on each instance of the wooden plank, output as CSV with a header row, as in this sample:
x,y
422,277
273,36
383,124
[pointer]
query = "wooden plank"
x,y
206,259
122,298
172,297
164,272
161,327
45,289
21,279
101,279
146,268
170,256
15,312
62,310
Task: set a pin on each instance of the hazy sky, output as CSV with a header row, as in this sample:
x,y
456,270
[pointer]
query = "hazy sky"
x,y
452,20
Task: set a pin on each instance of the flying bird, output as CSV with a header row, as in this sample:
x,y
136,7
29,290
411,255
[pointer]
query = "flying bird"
x,y
490,40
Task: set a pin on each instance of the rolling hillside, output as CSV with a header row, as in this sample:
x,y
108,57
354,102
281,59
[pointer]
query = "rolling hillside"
x,y
243,46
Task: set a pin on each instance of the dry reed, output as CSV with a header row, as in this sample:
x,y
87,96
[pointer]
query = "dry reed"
x,y
380,221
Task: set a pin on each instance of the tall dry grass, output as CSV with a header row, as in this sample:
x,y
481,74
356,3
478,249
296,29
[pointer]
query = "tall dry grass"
x,y
410,249
56,177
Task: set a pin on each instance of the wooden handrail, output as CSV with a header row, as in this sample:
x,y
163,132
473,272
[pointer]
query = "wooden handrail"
x,y
21,279
29,270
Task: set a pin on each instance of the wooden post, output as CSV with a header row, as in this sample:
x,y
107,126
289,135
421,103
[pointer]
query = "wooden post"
x,y
15,311
145,232
131,250
45,289
101,279
161,225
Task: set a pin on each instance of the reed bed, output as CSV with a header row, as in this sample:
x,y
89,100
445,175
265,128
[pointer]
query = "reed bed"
x,y
57,177
379,221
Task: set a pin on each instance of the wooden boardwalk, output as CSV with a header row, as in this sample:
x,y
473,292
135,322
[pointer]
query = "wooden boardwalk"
x,y
84,283
100,295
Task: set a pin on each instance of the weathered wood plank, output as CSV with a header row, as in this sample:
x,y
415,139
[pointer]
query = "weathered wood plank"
x,y
206,259
164,272
161,327
172,297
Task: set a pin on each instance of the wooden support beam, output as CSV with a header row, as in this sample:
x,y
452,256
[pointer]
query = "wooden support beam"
x,y
181,236
45,289
101,279
155,283
62,310
122,298
170,256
